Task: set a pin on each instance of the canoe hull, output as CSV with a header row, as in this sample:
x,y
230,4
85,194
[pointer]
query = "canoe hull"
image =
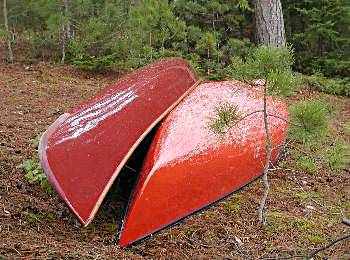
x,y
180,176
85,149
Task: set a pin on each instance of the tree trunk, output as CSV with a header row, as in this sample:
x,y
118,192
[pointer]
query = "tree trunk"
x,y
64,37
8,38
67,19
66,29
269,22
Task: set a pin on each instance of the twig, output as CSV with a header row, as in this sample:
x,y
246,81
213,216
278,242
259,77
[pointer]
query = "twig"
x,y
346,221
278,117
267,162
131,169
241,254
283,257
202,245
10,80
328,245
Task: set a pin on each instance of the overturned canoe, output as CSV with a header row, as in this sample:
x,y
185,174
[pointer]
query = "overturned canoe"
x,y
189,166
85,149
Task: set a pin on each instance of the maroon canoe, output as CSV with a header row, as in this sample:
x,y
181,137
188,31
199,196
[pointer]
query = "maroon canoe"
x,y
85,149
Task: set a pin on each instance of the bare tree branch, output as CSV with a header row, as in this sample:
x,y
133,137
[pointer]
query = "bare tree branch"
x,y
346,221
267,162
328,245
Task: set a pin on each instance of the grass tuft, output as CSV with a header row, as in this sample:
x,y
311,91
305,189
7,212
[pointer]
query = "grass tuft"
x,y
307,164
338,156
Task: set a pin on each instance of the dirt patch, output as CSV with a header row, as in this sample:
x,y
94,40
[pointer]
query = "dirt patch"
x,y
303,209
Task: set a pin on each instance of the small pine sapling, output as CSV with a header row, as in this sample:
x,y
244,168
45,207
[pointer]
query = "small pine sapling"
x,y
310,121
273,65
226,116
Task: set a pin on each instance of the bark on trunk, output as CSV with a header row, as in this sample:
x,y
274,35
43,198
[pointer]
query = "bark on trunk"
x,y
269,22
66,29
63,59
8,38
67,19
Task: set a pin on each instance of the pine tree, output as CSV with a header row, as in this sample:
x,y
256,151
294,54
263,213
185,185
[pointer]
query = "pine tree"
x,y
320,33
152,30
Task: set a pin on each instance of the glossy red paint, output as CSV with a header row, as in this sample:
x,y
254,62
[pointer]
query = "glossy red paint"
x,y
188,166
84,150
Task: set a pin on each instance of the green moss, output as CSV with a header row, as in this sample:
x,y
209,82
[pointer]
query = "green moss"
x,y
268,228
346,127
307,164
236,197
49,216
295,154
42,93
32,218
269,246
281,221
303,224
231,207
91,228
310,194
275,214
191,231
314,238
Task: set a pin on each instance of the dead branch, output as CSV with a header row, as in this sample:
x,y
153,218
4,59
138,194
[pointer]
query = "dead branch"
x,y
283,257
328,245
279,117
267,162
346,221
10,80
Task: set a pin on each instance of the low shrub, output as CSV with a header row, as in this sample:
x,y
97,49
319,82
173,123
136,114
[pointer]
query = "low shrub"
x,y
338,156
334,86
35,175
309,121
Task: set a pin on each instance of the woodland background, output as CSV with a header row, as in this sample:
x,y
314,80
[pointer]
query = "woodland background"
x,y
99,34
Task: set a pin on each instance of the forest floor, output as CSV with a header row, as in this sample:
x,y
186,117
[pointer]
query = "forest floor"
x,y
303,210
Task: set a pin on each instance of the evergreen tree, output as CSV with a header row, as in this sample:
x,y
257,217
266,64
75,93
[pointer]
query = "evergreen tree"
x,y
153,30
320,33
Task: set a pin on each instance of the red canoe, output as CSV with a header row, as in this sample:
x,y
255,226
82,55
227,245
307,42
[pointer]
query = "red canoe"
x,y
85,149
188,166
